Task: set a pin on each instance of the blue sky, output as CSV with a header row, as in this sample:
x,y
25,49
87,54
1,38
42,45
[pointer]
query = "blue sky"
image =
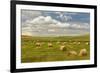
x,y
48,23
75,16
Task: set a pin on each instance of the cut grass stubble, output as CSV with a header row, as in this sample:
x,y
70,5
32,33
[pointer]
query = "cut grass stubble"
x,y
32,53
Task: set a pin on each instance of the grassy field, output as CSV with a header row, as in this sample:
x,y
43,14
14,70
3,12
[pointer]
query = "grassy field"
x,y
32,53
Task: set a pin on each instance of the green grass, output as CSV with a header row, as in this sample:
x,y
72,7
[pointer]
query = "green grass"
x,y
31,53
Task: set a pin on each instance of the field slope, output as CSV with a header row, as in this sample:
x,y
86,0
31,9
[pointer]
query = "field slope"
x,y
31,53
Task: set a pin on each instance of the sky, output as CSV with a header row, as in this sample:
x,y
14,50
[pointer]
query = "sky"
x,y
54,23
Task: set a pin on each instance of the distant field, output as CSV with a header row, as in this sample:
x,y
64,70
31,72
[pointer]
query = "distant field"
x,y
30,52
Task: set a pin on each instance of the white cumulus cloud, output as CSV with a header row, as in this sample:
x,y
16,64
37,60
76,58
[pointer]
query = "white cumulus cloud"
x,y
46,25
